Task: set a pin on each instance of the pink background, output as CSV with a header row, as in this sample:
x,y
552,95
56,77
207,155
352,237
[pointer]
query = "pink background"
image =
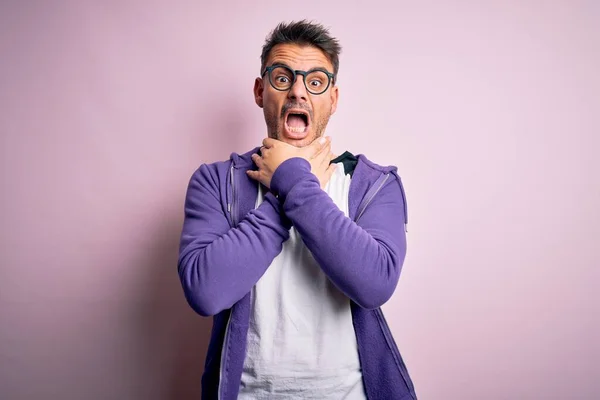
x,y
490,110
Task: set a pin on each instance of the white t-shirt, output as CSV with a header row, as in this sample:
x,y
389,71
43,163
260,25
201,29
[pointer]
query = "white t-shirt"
x,y
301,341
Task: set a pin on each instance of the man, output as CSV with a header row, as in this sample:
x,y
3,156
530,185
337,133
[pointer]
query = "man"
x,y
293,251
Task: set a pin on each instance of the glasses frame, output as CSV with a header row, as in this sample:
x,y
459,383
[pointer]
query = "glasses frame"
x,y
295,73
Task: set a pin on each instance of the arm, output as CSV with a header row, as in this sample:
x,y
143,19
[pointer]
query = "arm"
x,y
362,259
218,265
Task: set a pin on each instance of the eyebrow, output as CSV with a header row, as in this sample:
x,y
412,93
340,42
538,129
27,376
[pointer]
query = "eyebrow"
x,y
280,64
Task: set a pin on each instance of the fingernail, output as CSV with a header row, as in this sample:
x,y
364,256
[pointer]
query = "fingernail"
x,y
322,140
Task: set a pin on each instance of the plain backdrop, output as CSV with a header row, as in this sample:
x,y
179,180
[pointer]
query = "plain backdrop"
x,y
490,110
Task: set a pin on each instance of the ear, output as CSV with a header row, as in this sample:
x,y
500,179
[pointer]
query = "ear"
x,y
334,98
258,92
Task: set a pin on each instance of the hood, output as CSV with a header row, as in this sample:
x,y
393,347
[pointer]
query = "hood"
x,y
349,160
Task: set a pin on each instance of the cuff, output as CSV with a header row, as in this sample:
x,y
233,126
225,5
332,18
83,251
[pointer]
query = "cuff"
x,y
288,174
276,204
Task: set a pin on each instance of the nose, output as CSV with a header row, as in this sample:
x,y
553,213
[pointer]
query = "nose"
x,y
298,91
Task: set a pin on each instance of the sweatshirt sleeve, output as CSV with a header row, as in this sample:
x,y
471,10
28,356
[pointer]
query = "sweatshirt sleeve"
x,y
363,259
218,265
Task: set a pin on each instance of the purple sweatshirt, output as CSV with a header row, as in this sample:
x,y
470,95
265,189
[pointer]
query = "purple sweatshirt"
x,y
227,244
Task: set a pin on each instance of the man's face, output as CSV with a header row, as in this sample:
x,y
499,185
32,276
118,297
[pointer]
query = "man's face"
x,y
296,116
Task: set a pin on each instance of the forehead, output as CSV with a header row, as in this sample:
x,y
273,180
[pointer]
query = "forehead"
x,y
303,57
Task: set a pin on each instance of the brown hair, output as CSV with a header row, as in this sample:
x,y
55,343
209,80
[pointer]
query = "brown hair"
x,y
303,33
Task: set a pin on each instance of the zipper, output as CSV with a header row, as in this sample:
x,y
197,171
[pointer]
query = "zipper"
x,y
223,354
405,205
395,353
231,205
231,208
382,322
371,194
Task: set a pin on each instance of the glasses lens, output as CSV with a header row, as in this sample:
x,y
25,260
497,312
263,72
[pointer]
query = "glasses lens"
x,y
317,82
282,78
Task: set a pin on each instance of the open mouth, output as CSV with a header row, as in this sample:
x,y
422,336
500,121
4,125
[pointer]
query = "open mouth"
x,y
297,122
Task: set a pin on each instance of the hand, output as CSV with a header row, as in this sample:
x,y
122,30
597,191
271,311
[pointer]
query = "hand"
x,y
275,152
320,161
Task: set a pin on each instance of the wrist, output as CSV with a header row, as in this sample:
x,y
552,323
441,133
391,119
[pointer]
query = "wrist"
x,y
287,174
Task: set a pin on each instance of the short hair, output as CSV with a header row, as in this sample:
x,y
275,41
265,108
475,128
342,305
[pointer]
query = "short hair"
x,y
303,33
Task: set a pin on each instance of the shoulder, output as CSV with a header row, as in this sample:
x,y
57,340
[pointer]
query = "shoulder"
x,y
365,167
372,165
373,169
216,171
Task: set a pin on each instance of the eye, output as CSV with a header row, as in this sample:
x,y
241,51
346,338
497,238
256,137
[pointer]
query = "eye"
x,y
317,80
282,79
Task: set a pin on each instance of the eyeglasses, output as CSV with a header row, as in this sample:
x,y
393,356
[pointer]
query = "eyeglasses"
x,y
316,81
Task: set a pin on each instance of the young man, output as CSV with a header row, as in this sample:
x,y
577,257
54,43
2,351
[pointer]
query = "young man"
x,y
294,251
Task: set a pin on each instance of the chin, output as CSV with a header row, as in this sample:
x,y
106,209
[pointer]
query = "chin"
x,y
297,142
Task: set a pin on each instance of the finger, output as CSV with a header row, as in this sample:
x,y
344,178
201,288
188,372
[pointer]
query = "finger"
x,y
330,170
257,160
316,146
323,158
327,160
323,147
269,142
253,174
264,152
323,152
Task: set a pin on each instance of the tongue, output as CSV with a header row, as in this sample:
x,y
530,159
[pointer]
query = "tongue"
x,y
296,121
